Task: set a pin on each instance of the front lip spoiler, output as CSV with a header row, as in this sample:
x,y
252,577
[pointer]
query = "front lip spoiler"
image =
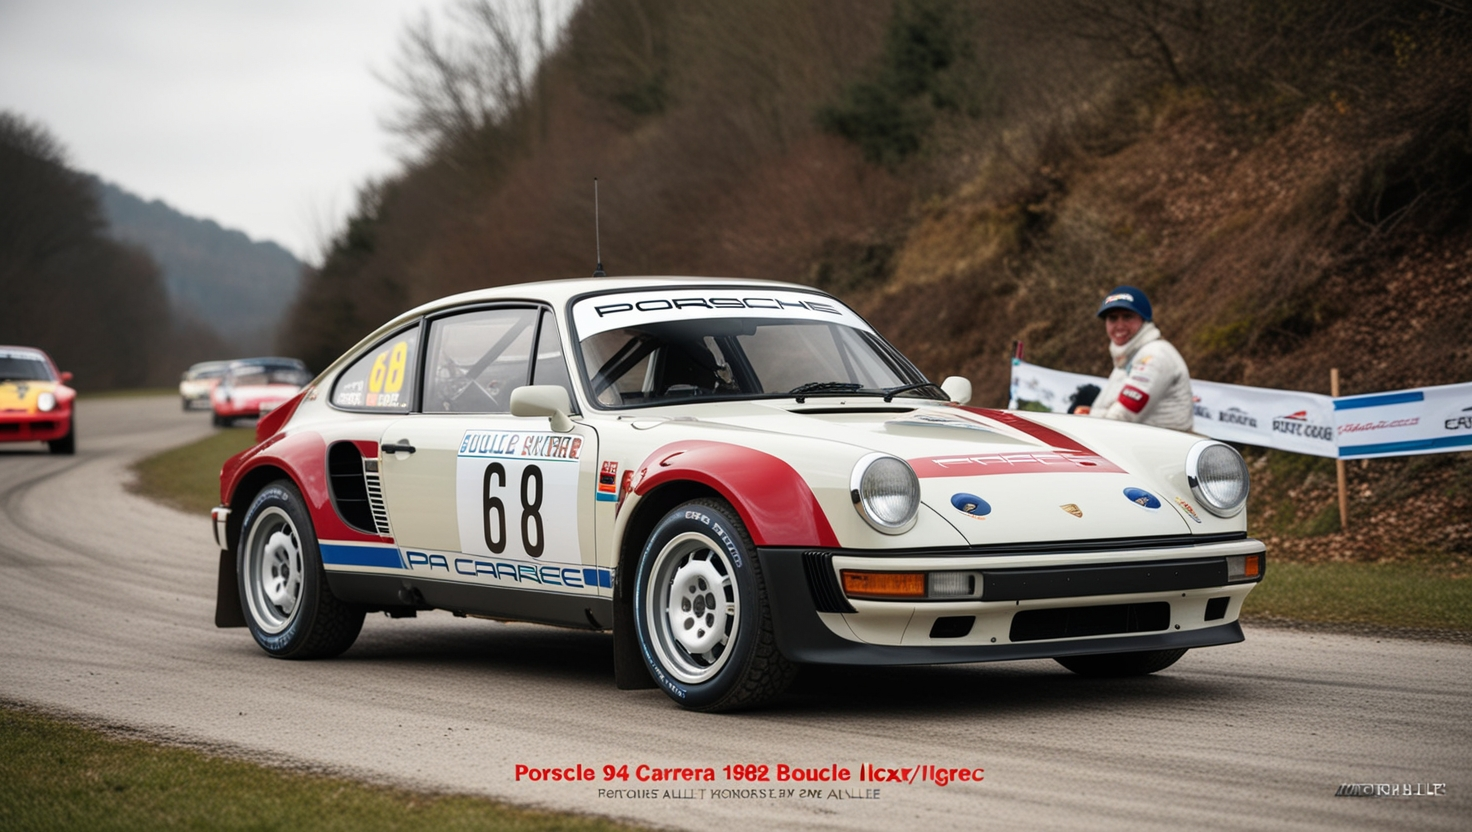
x,y
803,637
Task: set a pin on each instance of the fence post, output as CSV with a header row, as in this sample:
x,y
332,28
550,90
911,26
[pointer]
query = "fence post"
x,y
1339,463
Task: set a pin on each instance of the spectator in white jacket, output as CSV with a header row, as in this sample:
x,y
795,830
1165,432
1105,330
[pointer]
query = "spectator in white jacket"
x,y
1150,382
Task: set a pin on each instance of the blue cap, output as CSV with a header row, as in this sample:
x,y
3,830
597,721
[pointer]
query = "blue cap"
x,y
1126,297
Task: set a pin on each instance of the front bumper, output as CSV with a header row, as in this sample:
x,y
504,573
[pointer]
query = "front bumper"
x,y
37,427
1036,601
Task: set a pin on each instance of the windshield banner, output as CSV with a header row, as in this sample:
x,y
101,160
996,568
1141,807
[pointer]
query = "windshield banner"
x,y
620,310
1425,420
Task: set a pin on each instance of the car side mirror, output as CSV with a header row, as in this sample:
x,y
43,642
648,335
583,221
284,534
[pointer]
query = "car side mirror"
x,y
548,400
958,388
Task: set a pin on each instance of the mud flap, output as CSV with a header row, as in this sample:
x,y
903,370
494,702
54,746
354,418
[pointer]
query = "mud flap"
x,y
227,593
629,670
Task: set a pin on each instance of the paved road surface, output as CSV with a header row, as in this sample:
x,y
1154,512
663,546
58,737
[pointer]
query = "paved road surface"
x,y
107,613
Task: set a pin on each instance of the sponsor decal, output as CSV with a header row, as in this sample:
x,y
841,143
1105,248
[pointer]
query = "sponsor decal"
x,y
971,505
1188,509
484,570
1357,427
1459,421
1199,410
21,390
624,487
1140,496
1120,296
1297,424
1072,508
1236,416
673,304
1037,462
608,481
1133,398
497,443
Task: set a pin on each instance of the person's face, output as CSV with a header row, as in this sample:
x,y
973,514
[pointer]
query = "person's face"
x,y
1121,325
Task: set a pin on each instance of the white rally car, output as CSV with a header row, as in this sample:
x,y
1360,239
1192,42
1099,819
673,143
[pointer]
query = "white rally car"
x,y
737,478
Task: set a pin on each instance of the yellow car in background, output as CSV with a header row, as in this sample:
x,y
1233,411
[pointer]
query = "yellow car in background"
x,y
35,403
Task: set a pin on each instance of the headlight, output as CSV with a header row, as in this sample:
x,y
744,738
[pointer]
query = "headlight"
x,y
1218,477
886,493
46,402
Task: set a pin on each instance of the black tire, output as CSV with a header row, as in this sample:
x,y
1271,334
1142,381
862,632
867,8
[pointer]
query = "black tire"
x,y
1122,664
220,421
701,614
283,589
66,444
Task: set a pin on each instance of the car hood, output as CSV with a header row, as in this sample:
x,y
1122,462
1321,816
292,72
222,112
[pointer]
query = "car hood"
x,y
20,396
262,392
997,476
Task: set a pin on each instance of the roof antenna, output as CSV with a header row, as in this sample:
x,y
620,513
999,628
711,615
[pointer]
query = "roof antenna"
x,y
597,244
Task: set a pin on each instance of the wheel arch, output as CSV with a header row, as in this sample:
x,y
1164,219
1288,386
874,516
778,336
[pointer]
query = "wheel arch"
x,y
250,484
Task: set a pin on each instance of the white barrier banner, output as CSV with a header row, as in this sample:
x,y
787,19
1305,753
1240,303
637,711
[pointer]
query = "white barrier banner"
x,y
1425,420
1284,419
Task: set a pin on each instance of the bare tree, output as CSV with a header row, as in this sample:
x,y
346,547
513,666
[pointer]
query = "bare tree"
x,y
480,75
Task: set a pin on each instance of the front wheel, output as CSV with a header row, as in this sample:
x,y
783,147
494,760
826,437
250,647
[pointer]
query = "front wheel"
x,y
66,444
1122,664
283,589
701,614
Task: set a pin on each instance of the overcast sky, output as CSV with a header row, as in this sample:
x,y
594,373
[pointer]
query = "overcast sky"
x,y
263,115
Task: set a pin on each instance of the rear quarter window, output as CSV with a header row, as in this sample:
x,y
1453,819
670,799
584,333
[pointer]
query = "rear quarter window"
x,y
382,379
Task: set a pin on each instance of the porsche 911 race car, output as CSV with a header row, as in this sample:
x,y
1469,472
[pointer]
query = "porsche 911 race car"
x,y
35,403
736,478
253,386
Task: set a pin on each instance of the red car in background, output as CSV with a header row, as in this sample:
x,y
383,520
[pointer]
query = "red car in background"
x,y
253,386
35,403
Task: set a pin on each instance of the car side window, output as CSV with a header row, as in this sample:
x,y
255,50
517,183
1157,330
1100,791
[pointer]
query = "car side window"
x,y
476,359
551,363
382,379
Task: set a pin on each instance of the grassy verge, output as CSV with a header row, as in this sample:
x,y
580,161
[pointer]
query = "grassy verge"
x,y
55,775
188,477
1410,595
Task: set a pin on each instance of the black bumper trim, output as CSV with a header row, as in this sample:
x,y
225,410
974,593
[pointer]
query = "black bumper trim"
x,y
1115,579
803,637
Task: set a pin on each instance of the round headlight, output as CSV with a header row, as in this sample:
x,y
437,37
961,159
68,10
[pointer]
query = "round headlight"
x,y
1218,477
886,493
46,402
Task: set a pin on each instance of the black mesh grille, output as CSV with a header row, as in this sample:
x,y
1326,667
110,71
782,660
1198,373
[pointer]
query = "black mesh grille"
x,y
823,584
349,492
1075,622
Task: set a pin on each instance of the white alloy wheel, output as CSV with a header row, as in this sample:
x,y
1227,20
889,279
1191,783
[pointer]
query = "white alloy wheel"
x,y
695,607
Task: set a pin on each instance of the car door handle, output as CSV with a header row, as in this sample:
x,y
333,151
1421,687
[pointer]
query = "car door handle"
x,y
400,447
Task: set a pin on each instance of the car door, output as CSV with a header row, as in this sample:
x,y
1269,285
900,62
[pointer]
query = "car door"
x,y
476,495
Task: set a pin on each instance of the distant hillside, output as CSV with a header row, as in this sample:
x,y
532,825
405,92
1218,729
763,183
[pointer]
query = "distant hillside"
x,y
236,286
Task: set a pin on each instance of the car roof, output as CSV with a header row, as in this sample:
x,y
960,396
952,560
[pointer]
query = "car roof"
x,y
29,352
558,292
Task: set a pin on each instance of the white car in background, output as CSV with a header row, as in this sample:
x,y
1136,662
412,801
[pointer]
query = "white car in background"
x,y
736,477
196,383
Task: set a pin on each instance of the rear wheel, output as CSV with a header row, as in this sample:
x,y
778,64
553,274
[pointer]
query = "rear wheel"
x,y
701,614
1122,664
283,589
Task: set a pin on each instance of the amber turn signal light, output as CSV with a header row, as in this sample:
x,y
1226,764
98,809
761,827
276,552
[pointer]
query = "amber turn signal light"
x,y
883,584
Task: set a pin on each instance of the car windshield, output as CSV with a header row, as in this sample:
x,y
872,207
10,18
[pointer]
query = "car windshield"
x,y
798,346
206,371
21,367
256,375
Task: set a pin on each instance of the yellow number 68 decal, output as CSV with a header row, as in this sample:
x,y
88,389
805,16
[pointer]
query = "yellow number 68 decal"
x,y
388,369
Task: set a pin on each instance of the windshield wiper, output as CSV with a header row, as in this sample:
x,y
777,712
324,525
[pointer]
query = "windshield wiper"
x,y
825,387
891,392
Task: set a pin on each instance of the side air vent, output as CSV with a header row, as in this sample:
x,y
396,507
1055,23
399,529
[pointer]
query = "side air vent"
x,y
355,493
375,497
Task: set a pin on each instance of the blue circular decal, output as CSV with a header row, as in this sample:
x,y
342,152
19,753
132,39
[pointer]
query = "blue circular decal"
x,y
1142,497
971,504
